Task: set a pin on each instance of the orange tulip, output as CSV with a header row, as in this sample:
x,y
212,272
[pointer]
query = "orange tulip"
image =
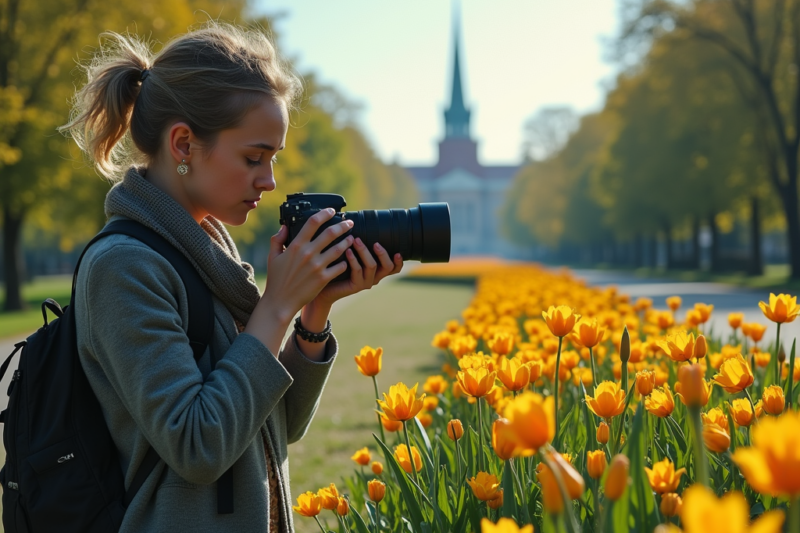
x,y
742,412
377,468
694,390
560,320
476,382
663,477
503,440
504,525
670,504
617,478
702,512
735,320
773,400
308,504
362,457
608,400
401,403
682,346
388,424
590,333
660,403
369,361
376,489
455,430
734,374
704,311
343,507
756,331
435,385
328,497
551,494
532,418
602,433
596,463
716,438
484,486
645,381
401,454
496,503
781,308
674,302
501,343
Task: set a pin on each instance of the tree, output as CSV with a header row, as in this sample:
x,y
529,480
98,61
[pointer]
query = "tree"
x,y
547,131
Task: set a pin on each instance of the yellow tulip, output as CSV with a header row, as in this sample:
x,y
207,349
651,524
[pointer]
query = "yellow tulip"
x,y
591,333
735,320
343,507
773,400
716,438
377,468
532,418
683,346
617,478
503,441
756,331
660,402
484,486
455,430
441,340
665,320
645,381
514,374
670,504
663,477
328,497
674,302
782,308
501,343
734,374
504,525
602,433
308,504
435,385
741,412
362,457
430,403
560,320
608,400
369,361
596,463
702,512
401,403
376,489
476,382
704,310
426,419
462,345
401,454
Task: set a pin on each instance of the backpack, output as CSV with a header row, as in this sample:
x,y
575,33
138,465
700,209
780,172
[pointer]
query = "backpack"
x,y
62,471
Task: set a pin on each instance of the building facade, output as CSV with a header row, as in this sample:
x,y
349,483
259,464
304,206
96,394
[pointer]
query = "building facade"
x,y
475,192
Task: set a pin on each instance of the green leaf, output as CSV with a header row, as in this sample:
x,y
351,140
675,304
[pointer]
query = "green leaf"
x,y
509,500
408,495
643,506
361,527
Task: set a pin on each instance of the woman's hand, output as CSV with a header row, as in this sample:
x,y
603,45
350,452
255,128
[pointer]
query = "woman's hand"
x,y
361,277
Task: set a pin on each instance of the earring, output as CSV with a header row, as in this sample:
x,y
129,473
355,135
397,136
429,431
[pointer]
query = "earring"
x,y
183,168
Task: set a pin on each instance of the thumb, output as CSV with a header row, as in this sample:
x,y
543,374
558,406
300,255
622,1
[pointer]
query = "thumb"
x,y
277,241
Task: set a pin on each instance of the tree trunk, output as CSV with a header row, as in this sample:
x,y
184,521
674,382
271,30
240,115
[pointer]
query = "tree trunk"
x,y
716,265
695,262
790,209
653,251
668,246
756,264
13,264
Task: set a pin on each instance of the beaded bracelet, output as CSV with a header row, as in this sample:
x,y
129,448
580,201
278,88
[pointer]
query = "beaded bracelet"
x,y
309,336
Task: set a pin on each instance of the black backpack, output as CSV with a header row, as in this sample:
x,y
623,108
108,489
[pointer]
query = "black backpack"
x,y
62,471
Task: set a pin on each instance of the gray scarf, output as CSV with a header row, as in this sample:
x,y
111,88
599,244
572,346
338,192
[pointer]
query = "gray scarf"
x,y
208,245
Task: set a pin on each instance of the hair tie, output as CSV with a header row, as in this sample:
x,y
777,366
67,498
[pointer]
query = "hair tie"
x,y
145,73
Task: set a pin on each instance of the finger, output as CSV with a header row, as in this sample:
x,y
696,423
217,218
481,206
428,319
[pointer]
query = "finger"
x,y
356,271
313,224
330,234
366,256
334,252
383,257
277,241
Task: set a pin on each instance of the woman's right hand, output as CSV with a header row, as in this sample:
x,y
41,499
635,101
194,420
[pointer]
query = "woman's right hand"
x,y
298,272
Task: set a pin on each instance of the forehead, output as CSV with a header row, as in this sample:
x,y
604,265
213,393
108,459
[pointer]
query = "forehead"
x,y
265,123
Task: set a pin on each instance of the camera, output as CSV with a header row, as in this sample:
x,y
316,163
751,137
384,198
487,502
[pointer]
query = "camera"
x,y
420,233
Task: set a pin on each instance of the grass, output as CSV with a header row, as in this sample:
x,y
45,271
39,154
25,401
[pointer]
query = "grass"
x,y
33,294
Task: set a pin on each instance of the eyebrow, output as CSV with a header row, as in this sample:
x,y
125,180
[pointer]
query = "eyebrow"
x,y
265,146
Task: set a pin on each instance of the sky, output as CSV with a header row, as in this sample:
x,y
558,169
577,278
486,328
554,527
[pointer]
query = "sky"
x,y
395,59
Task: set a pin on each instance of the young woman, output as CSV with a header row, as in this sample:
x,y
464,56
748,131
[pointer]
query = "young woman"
x,y
196,129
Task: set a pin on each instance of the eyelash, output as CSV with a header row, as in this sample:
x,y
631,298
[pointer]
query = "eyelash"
x,y
256,163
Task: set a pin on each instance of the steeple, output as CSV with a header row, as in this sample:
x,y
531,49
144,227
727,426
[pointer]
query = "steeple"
x,y
456,117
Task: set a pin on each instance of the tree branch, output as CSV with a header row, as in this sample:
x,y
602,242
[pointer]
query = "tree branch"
x,y
777,33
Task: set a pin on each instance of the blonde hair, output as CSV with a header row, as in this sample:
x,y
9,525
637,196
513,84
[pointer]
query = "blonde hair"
x,y
209,78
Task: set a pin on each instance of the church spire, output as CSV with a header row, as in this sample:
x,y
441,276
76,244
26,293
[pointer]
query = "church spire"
x,y
456,117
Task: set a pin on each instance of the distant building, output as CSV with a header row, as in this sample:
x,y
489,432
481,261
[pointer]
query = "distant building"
x,y
475,192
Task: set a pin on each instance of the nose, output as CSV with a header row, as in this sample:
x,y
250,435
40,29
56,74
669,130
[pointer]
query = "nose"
x,y
266,181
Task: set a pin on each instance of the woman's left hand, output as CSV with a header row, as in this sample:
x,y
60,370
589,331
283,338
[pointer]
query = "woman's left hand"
x,y
361,277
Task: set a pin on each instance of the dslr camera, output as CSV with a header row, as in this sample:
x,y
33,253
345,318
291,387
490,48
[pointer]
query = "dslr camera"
x,y
420,233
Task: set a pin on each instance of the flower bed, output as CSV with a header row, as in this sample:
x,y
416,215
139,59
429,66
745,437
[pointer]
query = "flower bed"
x,y
652,424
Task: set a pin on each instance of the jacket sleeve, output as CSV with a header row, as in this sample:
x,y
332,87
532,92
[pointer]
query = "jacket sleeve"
x,y
135,331
303,396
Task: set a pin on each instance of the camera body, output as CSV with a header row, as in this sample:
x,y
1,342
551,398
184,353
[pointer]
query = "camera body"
x,y
421,233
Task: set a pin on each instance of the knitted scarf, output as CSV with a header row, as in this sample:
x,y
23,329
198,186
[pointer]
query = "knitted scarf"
x,y
208,245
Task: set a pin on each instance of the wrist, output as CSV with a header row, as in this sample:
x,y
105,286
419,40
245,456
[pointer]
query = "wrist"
x,y
314,316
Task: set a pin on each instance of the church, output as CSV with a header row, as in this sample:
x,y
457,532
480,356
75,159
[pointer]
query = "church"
x,y
475,192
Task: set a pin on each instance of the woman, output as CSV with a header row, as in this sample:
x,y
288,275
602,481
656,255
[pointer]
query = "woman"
x,y
205,118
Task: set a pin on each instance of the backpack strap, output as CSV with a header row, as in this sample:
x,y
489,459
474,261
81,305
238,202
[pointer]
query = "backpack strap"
x,y
201,325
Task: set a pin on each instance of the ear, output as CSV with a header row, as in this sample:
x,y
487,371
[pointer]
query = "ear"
x,y
182,142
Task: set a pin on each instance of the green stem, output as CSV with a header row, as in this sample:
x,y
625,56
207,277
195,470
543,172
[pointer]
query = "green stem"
x,y
319,524
378,516
776,367
790,378
557,382
480,436
752,406
377,397
458,463
594,369
794,515
700,459
522,498
410,455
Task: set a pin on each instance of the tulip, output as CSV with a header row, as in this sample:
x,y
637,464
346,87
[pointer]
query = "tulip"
x,y
455,430
660,403
503,441
476,382
591,333
501,343
734,375
377,468
425,419
670,504
602,433
551,493
441,340
735,320
682,346
715,416
617,478
504,525
716,438
560,320
781,308
401,454
308,504
693,388
484,486
369,361
376,489
704,311
513,374
663,477
343,507
435,385
665,320
674,303
757,331
608,400
532,419
496,503
362,457
328,497
462,345
773,400
702,512
645,381
388,424
596,463
430,403
401,403
741,412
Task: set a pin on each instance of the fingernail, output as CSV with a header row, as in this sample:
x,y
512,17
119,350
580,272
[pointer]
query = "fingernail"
x,y
330,211
359,241
350,223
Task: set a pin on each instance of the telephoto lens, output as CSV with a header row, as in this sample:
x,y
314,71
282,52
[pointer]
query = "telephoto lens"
x,y
420,233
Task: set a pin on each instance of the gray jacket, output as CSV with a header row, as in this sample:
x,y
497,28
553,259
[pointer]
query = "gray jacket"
x,y
131,314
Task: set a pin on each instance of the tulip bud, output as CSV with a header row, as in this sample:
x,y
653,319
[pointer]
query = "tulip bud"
x,y
773,400
602,433
455,430
617,478
700,347
596,463
645,381
377,468
376,489
497,503
670,504
625,346
692,385
343,508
